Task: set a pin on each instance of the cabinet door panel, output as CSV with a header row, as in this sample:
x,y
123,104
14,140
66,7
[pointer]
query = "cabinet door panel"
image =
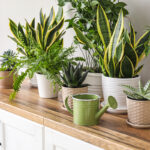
x,y
1,136
55,140
20,133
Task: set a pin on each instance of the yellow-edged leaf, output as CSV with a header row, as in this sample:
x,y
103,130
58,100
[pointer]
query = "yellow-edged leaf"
x,y
116,35
103,26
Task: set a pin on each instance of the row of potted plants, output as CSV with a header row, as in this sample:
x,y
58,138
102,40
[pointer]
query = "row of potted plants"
x,y
116,53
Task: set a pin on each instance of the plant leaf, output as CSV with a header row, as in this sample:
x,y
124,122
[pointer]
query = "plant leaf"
x,y
103,26
116,35
126,68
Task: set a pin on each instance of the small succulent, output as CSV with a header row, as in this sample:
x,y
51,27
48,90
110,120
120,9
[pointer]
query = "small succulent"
x,y
140,93
73,77
8,60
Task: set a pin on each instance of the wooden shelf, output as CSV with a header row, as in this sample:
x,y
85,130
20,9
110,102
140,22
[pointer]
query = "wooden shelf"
x,y
112,133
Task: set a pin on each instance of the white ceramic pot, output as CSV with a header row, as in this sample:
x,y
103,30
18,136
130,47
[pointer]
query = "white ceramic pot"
x,y
45,87
95,81
112,87
33,81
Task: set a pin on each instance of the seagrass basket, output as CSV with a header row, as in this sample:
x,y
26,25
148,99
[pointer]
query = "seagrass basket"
x,y
138,111
69,92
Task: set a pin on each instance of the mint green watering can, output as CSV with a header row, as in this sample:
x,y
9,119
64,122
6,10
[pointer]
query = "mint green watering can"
x,y
86,110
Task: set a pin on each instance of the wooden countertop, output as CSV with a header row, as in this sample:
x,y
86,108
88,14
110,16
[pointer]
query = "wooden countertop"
x,y
111,134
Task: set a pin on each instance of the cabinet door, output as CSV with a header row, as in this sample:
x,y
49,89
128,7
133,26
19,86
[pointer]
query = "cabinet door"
x,y
20,133
55,140
1,136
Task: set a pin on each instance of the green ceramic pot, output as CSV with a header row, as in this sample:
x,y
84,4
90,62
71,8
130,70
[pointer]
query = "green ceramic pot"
x,y
86,110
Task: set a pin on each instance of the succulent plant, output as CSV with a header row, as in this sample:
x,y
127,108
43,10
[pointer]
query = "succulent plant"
x,y
140,93
73,77
8,60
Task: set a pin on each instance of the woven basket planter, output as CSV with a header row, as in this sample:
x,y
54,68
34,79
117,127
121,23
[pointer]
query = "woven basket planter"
x,y
112,87
95,82
7,82
138,112
69,92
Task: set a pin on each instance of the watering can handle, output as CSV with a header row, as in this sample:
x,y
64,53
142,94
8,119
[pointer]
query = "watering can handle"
x,y
67,106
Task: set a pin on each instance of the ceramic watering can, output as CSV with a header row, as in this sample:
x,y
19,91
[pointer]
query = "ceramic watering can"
x,y
86,110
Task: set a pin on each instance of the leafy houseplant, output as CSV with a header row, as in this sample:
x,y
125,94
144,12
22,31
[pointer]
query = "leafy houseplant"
x,y
72,81
40,42
7,69
84,18
119,55
138,104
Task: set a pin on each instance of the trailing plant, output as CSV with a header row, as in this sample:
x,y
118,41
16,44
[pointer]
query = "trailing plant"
x,y
120,54
140,93
84,18
8,61
41,46
73,77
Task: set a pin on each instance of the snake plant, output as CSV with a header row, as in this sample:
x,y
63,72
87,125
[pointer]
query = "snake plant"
x,y
73,77
120,54
44,34
141,93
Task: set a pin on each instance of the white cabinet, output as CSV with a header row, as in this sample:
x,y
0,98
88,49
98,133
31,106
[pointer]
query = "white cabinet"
x,y
17,133
55,140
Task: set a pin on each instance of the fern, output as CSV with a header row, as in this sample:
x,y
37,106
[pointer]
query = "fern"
x,y
17,84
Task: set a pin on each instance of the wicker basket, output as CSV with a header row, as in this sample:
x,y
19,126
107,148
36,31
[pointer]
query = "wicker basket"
x,y
138,112
72,91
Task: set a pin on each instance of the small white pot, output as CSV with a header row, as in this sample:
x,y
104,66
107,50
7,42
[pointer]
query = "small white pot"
x,y
95,81
45,87
33,81
112,87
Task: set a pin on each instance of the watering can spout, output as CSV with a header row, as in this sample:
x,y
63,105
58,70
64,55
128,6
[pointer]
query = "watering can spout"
x,y
112,103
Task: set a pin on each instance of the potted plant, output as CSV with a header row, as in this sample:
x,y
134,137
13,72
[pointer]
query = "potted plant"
x,y
138,105
120,58
7,69
72,82
42,49
84,18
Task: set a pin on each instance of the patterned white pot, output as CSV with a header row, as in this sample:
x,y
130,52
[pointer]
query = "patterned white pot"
x,y
45,87
95,81
33,81
112,87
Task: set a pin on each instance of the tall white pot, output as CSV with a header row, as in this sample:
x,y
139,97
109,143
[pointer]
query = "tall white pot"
x,y
112,87
95,82
45,87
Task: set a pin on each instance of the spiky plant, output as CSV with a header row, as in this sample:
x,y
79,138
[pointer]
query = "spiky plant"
x,y
120,54
140,93
8,60
73,77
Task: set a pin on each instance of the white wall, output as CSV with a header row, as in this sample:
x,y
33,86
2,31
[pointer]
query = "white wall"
x,y
18,10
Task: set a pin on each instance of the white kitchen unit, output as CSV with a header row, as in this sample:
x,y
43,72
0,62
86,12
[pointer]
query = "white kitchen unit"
x,y
55,140
17,133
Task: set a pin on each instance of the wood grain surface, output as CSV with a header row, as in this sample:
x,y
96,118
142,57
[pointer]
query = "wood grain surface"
x,y
112,133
